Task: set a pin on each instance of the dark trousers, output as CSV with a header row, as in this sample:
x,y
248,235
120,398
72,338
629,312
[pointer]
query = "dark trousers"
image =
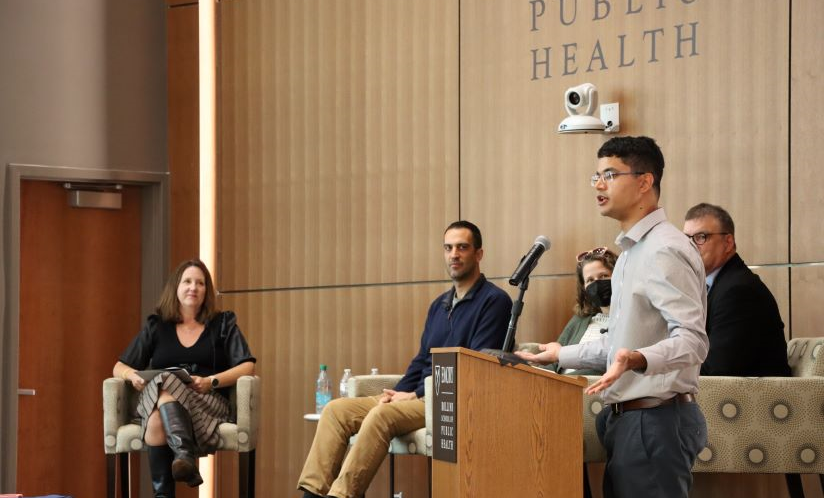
x,y
650,452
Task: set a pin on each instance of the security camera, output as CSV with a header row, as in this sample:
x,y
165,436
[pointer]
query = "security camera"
x,y
581,99
581,102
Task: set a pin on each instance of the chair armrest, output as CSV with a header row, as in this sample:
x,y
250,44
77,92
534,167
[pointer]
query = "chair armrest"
x,y
115,411
593,450
370,385
806,356
247,392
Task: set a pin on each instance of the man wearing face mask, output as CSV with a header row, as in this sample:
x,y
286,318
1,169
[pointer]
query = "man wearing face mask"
x,y
594,290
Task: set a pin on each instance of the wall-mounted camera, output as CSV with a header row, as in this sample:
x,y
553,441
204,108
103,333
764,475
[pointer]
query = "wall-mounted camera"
x,y
581,102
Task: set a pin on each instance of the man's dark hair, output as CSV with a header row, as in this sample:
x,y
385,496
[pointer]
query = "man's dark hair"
x,y
641,154
477,240
717,212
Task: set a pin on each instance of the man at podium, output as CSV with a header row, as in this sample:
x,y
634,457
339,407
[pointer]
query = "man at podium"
x,y
473,314
656,340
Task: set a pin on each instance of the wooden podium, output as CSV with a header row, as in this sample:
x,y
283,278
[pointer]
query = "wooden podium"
x,y
504,430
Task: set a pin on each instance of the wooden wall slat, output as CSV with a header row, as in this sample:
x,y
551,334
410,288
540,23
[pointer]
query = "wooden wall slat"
x,y
338,147
183,122
807,285
807,80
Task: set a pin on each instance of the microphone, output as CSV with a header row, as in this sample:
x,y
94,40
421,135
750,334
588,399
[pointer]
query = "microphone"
x,y
530,260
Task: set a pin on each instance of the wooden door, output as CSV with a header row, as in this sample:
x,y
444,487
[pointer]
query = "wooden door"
x,y
79,307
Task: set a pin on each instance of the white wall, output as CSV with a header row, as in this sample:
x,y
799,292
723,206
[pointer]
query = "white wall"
x,y
82,85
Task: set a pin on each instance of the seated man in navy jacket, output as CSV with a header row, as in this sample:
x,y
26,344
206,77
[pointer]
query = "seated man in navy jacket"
x,y
473,314
743,323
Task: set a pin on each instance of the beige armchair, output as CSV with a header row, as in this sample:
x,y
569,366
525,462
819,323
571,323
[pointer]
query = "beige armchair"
x,y
755,424
768,424
417,442
121,436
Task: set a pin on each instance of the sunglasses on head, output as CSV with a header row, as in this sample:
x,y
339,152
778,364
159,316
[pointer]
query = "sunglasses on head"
x,y
595,252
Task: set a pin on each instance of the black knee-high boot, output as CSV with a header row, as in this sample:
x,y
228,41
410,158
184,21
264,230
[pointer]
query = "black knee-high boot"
x,y
180,437
160,465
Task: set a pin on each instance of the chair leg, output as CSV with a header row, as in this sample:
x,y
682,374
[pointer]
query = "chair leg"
x,y
246,480
429,474
391,475
124,475
794,486
111,472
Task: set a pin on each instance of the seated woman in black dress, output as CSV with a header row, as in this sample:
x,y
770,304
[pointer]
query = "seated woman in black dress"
x,y
180,420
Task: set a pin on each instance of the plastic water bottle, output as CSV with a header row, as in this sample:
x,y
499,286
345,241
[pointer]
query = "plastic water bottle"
x,y
344,382
374,371
323,391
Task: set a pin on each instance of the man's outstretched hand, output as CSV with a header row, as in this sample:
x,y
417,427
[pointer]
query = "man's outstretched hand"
x,y
624,360
549,353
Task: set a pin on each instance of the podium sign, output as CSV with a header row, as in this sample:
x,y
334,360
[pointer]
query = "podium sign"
x,y
444,407
505,430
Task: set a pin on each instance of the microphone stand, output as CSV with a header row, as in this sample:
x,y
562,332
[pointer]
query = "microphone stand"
x,y
506,356
517,307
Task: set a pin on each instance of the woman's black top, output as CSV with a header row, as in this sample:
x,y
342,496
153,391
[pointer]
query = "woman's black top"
x,y
221,346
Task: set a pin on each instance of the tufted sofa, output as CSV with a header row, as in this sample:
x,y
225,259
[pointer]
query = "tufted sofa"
x,y
121,436
755,425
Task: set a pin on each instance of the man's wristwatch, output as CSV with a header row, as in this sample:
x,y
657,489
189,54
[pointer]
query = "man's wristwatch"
x,y
215,382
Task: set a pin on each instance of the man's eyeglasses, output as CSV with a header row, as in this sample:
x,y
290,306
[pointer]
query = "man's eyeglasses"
x,y
700,238
610,175
595,252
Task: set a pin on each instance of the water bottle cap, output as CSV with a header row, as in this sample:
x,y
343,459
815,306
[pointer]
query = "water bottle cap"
x,y
322,366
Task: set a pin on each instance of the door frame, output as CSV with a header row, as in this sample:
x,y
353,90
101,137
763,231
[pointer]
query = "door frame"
x,y
154,251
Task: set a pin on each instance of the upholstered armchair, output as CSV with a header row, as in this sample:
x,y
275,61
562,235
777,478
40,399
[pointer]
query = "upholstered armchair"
x,y
755,424
121,436
768,424
417,442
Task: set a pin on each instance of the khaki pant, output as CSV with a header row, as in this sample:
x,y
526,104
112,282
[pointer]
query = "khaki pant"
x,y
326,472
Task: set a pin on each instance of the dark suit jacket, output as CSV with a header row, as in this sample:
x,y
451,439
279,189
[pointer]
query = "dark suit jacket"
x,y
744,326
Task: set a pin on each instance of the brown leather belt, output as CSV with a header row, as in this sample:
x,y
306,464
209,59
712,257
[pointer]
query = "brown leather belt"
x,y
643,403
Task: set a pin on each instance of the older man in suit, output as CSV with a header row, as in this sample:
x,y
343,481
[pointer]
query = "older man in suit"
x,y
743,323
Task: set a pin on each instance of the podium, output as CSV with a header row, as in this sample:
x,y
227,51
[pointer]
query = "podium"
x,y
504,430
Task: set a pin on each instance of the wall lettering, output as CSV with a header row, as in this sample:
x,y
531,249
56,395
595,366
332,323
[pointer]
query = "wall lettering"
x,y
650,44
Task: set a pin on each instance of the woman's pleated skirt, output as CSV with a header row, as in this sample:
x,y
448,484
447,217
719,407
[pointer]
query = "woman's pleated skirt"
x,y
207,411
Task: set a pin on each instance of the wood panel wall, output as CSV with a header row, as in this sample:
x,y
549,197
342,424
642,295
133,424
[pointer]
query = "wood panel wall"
x,y
339,122
182,82
184,152
338,173
351,133
701,108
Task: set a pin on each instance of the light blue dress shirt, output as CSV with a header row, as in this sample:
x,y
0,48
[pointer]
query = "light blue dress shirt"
x,y
658,308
